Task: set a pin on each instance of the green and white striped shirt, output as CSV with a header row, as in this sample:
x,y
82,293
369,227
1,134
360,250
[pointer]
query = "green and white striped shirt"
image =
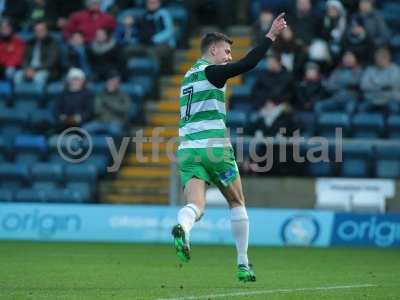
x,y
202,110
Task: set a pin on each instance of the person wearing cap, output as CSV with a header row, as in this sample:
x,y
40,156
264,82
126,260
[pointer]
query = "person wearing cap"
x,y
74,106
333,27
110,108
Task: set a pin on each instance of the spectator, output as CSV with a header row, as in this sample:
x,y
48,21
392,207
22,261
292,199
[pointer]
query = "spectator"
x,y
373,23
272,85
156,33
58,11
262,25
41,58
333,27
111,108
12,50
303,22
358,41
37,12
77,54
127,32
380,83
273,117
88,21
17,11
74,107
310,89
343,85
292,52
105,55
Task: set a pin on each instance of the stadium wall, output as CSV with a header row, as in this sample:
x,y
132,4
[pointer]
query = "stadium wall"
x,y
152,224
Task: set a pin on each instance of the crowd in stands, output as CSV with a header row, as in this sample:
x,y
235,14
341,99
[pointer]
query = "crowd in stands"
x,y
335,56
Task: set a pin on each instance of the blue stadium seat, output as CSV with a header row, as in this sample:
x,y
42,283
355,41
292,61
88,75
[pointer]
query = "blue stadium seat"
x,y
5,91
306,123
356,160
29,89
30,148
142,66
82,190
25,106
13,175
80,173
66,195
4,149
387,162
368,125
236,119
100,161
6,195
135,91
42,119
12,122
316,165
47,172
54,89
146,82
328,123
393,127
96,87
240,94
30,195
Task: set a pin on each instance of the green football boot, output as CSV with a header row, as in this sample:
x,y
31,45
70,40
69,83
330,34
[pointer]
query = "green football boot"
x,y
246,273
182,246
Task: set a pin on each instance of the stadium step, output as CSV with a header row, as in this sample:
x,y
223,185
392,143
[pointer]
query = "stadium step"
x,y
145,172
164,119
238,41
136,198
139,183
133,159
165,131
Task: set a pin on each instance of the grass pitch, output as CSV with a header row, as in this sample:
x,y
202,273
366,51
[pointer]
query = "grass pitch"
x,y
132,271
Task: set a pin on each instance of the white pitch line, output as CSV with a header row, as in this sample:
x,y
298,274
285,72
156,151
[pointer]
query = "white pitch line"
x,y
276,291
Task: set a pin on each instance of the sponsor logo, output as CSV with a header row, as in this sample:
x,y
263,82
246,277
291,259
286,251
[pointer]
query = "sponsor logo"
x,y
382,231
45,225
300,230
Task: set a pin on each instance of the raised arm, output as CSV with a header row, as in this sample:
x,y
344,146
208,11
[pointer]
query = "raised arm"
x,y
219,74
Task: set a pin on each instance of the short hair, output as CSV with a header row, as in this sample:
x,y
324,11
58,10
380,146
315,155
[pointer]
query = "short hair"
x,y
213,37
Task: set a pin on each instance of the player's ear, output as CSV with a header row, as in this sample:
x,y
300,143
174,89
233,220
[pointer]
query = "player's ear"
x,y
212,49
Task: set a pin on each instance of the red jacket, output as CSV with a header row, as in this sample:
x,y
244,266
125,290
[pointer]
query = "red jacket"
x,y
12,52
87,22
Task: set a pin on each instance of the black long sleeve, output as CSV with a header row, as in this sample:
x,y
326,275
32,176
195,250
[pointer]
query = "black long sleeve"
x,y
219,74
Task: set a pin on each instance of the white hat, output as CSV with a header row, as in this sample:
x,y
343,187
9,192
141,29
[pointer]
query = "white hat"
x,y
75,73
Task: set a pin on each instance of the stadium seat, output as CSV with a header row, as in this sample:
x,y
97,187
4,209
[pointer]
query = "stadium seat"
x,y
6,195
315,164
393,127
29,89
142,66
387,160
306,123
146,82
133,90
42,119
30,195
83,190
81,173
236,119
30,148
328,123
13,175
96,87
54,89
368,125
356,160
47,172
4,149
5,91
65,195
240,94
